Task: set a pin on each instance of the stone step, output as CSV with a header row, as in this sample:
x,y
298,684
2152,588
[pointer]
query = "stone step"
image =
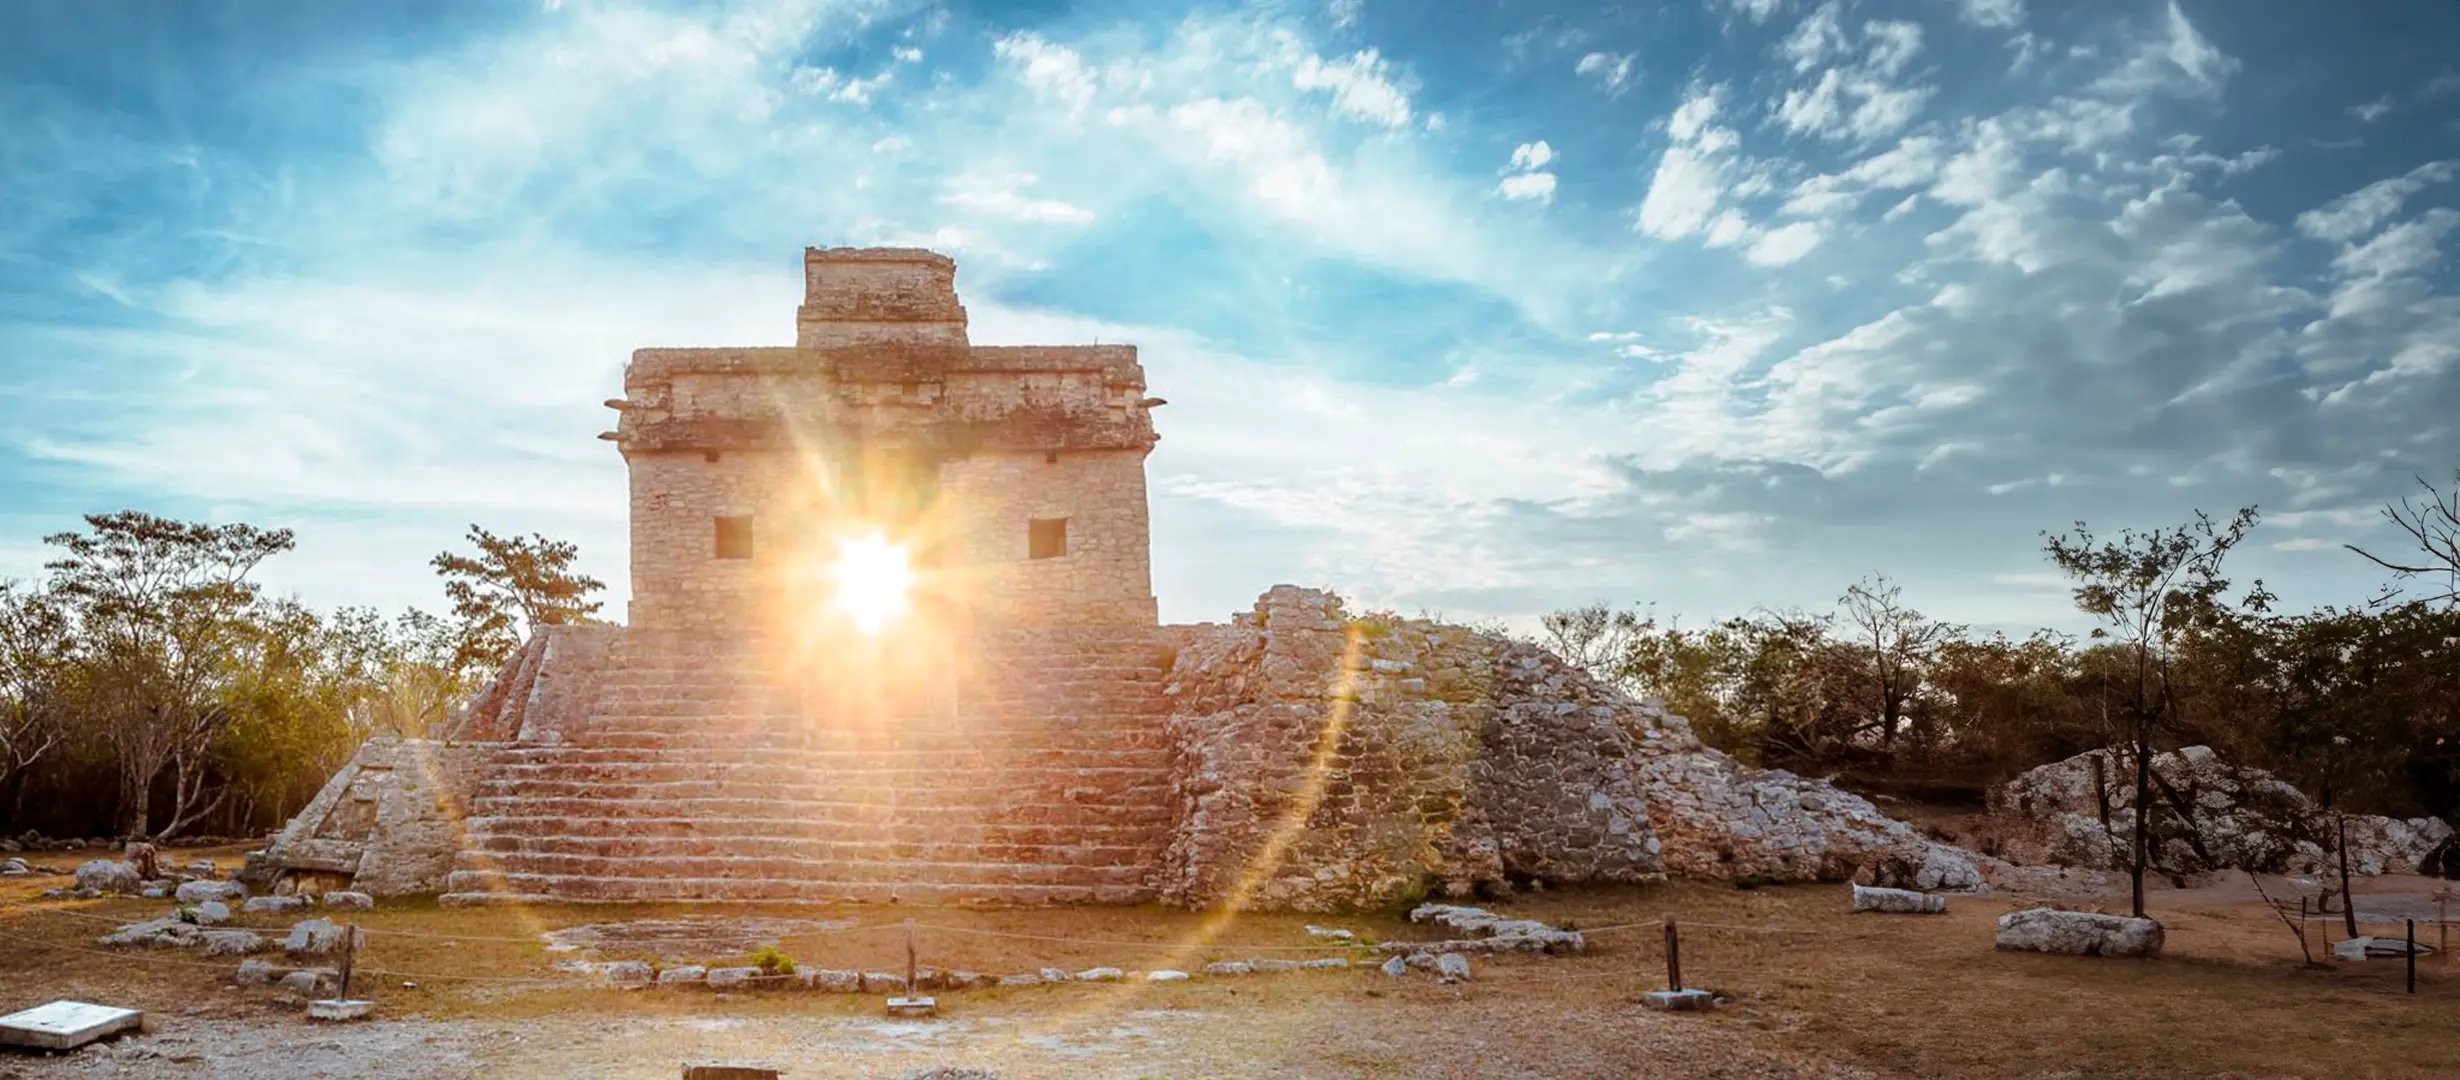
x,y
1154,754
1151,834
1148,808
471,869
834,852
471,889
974,789
691,737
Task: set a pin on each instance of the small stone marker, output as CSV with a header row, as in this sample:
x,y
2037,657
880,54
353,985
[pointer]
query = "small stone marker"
x,y
912,1003
1897,901
1453,967
340,1009
1678,1000
727,1070
66,1025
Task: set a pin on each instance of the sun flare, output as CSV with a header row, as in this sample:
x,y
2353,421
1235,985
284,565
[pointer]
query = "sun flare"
x,y
872,579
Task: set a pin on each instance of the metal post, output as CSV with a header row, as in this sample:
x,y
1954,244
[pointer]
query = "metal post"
x,y
350,957
1674,957
909,958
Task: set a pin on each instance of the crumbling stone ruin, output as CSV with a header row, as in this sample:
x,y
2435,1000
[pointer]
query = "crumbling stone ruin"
x,y
2208,815
1022,730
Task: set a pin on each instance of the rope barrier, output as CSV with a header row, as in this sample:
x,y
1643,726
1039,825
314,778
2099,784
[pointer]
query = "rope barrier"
x,y
1329,946
685,939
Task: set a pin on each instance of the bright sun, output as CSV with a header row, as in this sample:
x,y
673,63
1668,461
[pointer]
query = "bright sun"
x,y
872,578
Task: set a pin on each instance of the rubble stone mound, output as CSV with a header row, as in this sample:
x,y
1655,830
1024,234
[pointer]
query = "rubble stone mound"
x,y
2207,815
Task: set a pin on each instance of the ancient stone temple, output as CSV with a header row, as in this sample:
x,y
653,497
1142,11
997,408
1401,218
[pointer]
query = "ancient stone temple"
x,y
892,636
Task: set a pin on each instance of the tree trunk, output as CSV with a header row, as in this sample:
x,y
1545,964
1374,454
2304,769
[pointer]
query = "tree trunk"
x,y
2348,902
2143,810
135,797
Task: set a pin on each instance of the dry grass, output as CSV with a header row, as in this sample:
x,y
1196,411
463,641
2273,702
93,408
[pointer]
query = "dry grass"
x,y
1895,996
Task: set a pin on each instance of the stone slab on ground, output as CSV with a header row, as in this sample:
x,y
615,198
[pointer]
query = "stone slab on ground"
x,y
340,1009
2376,948
2079,933
728,1070
913,1006
1897,901
1678,1000
66,1025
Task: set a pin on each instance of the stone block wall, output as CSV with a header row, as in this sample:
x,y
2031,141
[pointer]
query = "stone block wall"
x,y
677,498
1106,574
858,295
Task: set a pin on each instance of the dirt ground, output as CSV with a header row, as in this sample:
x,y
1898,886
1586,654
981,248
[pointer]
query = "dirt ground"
x,y
1818,992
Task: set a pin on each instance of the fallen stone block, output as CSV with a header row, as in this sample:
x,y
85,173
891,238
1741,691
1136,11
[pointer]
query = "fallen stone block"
x,y
255,973
1272,966
315,937
1453,967
728,1070
1897,901
1229,967
968,980
837,982
347,901
686,975
881,982
732,978
232,943
1053,975
209,913
1166,975
156,891
66,1025
1329,934
2078,933
1100,974
203,868
631,973
198,892
15,868
105,876
1025,978
309,982
273,905
1329,963
1396,967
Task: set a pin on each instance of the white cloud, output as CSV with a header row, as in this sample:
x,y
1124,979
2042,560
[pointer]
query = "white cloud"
x,y
1361,86
1757,11
1532,155
2180,60
1002,197
1997,14
1893,45
1524,187
1784,246
1860,101
827,82
1612,71
1345,13
2357,213
1690,177
2373,110
1053,70
1819,36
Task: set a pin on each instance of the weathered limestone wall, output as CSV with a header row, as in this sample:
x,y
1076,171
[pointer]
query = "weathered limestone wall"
x,y
391,818
857,295
1106,575
677,579
1329,762
1326,764
546,689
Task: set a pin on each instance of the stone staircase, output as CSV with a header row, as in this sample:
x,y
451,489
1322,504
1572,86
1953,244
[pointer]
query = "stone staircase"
x,y
698,777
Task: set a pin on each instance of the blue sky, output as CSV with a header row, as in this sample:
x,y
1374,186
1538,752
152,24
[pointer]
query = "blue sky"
x,y
1480,308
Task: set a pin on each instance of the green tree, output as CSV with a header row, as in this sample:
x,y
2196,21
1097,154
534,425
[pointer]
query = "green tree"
x,y
35,651
513,586
158,606
2148,590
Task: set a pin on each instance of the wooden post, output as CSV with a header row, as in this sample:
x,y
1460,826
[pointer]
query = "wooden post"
x,y
1674,957
350,957
2310,957
2412,955
909,958
2442,922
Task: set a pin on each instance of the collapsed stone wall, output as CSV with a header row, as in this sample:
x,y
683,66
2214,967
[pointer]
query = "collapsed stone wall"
x,y
2207,815
1329,762
389,823
544,690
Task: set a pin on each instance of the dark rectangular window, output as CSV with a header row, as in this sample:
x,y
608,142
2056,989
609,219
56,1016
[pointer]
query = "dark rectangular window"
x,y
1046,538
734,537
